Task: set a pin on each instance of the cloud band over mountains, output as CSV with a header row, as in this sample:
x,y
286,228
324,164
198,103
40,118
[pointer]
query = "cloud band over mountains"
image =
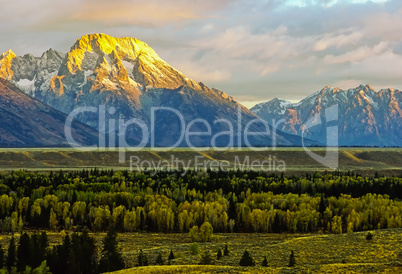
x,y
254,50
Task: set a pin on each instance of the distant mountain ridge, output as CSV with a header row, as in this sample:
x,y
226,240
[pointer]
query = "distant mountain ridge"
x,y
26,122
366,117
129,78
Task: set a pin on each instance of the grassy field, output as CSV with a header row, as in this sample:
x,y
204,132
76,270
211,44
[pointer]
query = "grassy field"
x,y
314,253
317,253
387,161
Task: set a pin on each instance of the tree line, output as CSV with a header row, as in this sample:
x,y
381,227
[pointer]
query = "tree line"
x,y
172,202
76,254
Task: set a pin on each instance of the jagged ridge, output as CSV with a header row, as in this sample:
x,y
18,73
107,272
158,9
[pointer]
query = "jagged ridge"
x,y
366,117
126,74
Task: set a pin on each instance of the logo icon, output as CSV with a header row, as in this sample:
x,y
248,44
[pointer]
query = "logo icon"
x,y
330,159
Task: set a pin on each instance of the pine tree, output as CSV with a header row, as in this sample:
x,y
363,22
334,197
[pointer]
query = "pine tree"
x,y
142,259
246,259
2,256
53,260
159,259
219,255
38,245
64,255
369,236
90,260
292,260
111,259
23,254
11,255
265,261
171,255
34,250
43,245
84,253
139,259
145,260
226,250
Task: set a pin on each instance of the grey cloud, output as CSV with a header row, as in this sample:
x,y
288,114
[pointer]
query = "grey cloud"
x,y
254,50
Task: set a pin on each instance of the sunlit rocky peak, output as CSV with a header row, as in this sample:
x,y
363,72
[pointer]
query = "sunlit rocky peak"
x,y
138,61
5,64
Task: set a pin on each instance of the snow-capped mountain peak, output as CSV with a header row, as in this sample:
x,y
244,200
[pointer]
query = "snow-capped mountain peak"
x,y
366,117
128,75
275,105
134,61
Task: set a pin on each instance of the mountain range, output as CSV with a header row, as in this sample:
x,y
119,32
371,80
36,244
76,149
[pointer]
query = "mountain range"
x,y
365,117
128,78
125,80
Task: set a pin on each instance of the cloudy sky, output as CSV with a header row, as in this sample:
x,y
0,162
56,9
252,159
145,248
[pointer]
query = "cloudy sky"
x,y
253,50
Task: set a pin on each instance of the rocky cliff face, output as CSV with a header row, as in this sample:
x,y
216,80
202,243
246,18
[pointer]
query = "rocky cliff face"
x,y
366,117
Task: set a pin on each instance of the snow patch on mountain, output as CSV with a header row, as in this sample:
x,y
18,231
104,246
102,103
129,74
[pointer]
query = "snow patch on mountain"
x,y
87,73
309,99
371,101
129,67
26,85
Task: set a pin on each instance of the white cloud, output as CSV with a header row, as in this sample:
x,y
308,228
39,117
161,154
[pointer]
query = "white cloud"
x,y
338,40
358,54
